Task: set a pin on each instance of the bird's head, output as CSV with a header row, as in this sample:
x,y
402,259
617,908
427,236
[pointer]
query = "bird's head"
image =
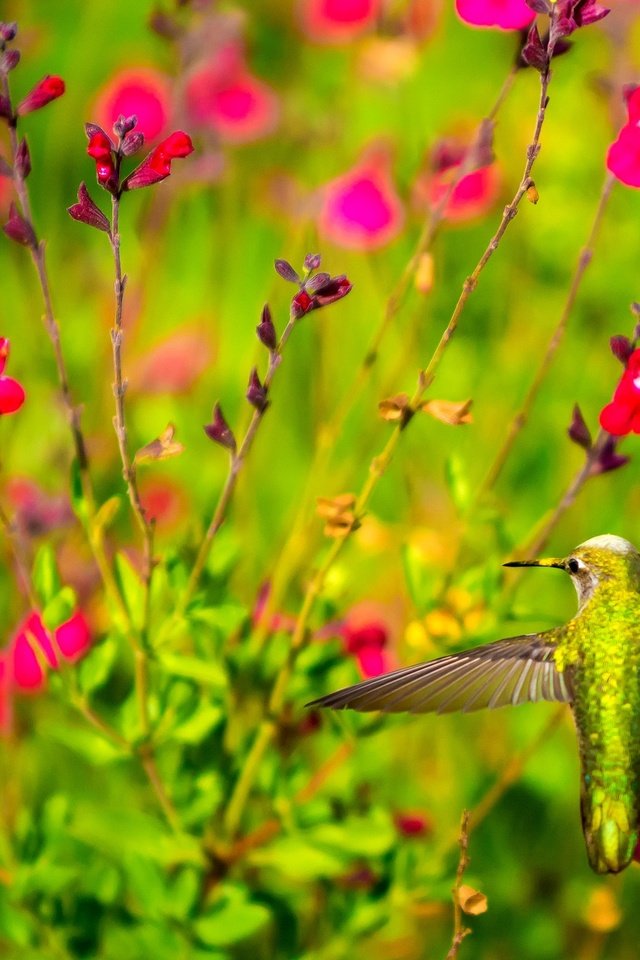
x,y
606,557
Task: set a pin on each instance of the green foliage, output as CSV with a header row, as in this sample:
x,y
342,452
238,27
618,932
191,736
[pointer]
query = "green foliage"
x,y
167,795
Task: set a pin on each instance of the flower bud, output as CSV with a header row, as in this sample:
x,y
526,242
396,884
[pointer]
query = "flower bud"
x,y
256,393
18,229
286,271
266,330
312,261
9,60
8,31
86,211
49,88
23,160
219,430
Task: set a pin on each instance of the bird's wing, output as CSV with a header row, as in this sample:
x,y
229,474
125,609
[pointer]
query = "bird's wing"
x,y
512,671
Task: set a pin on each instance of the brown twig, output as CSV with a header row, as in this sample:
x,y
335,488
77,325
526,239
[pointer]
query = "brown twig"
x,y
459,929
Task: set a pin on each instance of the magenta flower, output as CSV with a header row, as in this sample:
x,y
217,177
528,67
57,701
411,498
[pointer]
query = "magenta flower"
x,y
622,415
361,209
337,21
174,364
623,158
411,824
12,394
140,92
70,640
504,14
101,149
225,96
366,642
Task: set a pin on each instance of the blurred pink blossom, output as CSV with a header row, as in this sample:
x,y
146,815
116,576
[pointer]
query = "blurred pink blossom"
x,y
71,639
224,95
623,158
337,21
361,209
143,92
504,14
473,196
174,364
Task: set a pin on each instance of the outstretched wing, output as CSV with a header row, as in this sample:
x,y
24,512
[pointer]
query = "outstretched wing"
x,y
512,671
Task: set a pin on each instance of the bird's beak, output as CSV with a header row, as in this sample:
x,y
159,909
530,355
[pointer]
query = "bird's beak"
x,y
549,562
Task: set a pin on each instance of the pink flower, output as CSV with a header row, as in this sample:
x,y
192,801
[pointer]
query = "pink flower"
x,y
71,640
36,512
337,21
140,92
225,96
156,166
505,14
623,158
164,502
12,394
473,196
48,89
361,209
622,415
367,642
174,365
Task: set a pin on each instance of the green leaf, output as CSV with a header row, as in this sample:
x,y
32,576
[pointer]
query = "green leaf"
x,y
457,481
122,833
46,579
416,577
77,496
93,747
369,836
206,717
206,672
132,588
228,923
107,513
60,608
226,617
299,860
94,669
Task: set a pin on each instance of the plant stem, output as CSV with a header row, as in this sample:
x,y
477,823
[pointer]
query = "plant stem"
x,y
236,462
268,727
459,929
294,548
38,256
523,414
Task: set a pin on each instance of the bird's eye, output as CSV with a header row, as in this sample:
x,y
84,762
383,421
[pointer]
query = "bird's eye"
x,y
573,565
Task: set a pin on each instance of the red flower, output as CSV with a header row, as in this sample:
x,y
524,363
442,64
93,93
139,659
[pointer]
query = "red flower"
x,y
12,394
504,14
164,502
224,95
49,88
411,824
622,415
34,647
156,166
101,149
337,21
623,158
361,209
139,92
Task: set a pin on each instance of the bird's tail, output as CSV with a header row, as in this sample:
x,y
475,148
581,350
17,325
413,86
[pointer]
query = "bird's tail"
x,y
610,824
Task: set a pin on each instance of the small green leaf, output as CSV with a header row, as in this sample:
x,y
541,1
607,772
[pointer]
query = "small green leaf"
x,y
93,747
194,730
107,513
416,577
457,480
59,609
46,579
229,923
94,669
206,672
299,860
77,495
132,588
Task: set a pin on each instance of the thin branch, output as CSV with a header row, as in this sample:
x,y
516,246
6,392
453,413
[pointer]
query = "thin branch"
x,y
459,929
522,416
237,460
293,549
268,727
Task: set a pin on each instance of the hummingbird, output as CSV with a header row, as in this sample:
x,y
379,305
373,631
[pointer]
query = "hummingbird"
x,y
592,663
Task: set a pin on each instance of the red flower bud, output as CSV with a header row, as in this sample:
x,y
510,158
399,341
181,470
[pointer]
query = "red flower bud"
x,y
49,88
266,330
256,393
219,430
11,395
19,229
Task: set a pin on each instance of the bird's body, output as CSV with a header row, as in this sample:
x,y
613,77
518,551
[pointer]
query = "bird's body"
x,y
592,663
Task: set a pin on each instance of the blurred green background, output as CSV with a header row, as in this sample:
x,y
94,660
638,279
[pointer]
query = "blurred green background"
x,y
199,256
